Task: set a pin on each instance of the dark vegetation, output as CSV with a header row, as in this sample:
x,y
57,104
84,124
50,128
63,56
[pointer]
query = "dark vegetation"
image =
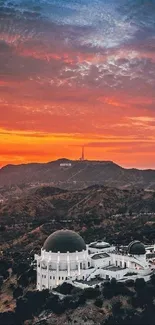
x,y
122,303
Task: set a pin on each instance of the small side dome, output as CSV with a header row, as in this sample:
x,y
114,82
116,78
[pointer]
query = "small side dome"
x,y
64,241
136,248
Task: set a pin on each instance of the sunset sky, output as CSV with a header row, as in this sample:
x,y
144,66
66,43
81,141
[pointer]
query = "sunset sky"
x,y
77,72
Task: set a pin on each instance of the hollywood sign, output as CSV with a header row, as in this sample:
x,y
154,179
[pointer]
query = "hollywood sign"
x,y
65,165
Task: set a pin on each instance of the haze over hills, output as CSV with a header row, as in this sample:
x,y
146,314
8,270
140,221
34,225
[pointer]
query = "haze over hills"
x,y
77,175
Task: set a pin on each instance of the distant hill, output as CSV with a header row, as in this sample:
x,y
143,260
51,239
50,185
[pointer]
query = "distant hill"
x,y
98,212
76,175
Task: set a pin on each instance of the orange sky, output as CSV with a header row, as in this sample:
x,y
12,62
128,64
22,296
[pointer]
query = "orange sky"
x,y
68,80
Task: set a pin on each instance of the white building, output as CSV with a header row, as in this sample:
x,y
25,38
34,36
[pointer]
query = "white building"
x,y
66,257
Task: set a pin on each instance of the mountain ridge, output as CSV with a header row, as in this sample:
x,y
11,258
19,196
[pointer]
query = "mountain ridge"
x,y
58,160
77,174
119,214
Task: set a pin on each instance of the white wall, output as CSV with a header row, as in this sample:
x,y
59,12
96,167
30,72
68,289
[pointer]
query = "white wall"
x,y
99,250
55,268
101,262
105,274
129,261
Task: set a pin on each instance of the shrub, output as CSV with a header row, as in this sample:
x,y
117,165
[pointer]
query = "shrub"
x,y
130,283
1,281
91,293
18,292
30,304
139,284
65,288
8,318
51,301
82,300
76,291
116,307
152,279
12,286
98,302
20,268
23,280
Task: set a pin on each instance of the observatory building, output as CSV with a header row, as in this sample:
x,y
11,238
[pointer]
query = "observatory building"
x,y
66,257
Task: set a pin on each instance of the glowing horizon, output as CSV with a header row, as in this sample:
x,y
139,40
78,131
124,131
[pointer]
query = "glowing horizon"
x,y
77,73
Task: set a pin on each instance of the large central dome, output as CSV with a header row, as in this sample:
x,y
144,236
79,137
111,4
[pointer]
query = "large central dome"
x,y
64,241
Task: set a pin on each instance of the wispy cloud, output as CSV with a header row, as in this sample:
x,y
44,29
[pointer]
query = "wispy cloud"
x,y
71,69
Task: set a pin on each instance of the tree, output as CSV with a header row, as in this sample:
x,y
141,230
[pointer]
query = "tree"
x,y
18,292
65,288
81,300
51,301
98,302
152,279
113,282
116,307
4,266
2,228
1,281
31,275
23,310
130,283
130,212
91,293
30,304
20,268
23,280
8,318
139,284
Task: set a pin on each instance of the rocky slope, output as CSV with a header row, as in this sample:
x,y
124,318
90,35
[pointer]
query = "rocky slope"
x,y
98,212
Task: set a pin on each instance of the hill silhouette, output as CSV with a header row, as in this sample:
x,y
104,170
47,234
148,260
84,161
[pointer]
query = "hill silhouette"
x,y
77,175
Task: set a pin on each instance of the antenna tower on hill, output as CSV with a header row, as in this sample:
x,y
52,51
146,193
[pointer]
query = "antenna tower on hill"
x,y
82,156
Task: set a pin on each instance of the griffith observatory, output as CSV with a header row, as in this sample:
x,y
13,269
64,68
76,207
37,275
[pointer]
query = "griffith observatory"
x,y
65,257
